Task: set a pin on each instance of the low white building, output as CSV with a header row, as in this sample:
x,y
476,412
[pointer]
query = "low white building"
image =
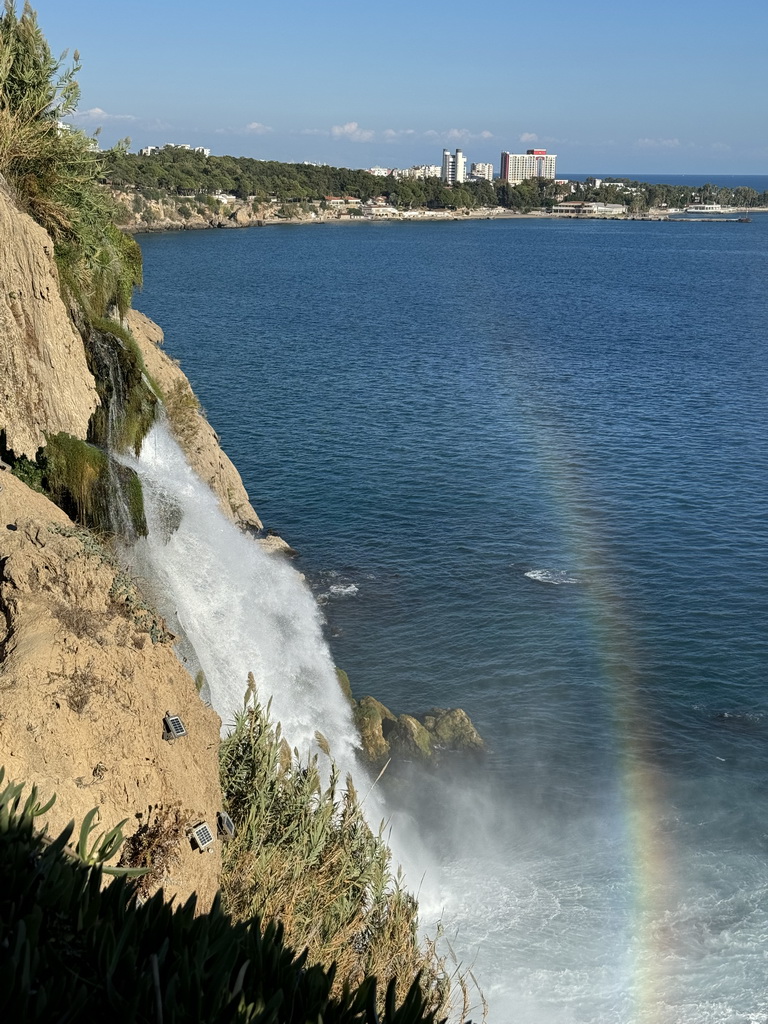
x,y
576,209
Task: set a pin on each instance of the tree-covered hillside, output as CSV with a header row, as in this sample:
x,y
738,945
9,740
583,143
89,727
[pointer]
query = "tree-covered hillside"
x,y
183,172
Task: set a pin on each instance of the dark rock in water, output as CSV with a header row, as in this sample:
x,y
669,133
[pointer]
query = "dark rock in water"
x,y
452,729
409,739
371,717
422,738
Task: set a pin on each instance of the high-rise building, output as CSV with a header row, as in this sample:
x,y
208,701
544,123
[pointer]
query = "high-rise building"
x,y
483,171
534,163
454,169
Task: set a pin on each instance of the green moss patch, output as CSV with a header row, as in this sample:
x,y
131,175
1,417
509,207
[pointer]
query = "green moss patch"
x,y
128,397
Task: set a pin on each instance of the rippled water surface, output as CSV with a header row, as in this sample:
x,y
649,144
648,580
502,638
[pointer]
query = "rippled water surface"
x,y
525,464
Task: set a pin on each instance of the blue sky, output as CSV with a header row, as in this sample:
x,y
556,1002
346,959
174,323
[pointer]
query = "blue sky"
x,y
675,87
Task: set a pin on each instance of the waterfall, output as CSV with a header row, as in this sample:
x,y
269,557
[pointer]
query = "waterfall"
x,y
238,608
113,392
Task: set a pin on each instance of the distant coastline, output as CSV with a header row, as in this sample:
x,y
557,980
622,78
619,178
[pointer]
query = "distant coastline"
x,y
165,215
759,182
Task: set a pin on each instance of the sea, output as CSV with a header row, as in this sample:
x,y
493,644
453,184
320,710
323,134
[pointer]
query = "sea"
x,y
525,465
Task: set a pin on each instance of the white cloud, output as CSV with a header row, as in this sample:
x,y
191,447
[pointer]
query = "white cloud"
x,y
257,128
98,116
529,137
657,143
392,134
457,135
352,132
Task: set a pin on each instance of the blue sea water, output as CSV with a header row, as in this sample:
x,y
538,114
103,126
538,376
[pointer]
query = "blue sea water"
x,y
525,464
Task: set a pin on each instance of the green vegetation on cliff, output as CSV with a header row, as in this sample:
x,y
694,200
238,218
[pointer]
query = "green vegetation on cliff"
x,y
72,950
54,170
305,855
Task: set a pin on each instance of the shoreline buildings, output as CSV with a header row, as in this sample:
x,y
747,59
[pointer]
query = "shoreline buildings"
x,y
454,169
482,171
534,163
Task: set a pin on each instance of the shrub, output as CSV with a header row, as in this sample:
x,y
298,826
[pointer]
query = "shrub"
x,y
304,855
54,169
74,950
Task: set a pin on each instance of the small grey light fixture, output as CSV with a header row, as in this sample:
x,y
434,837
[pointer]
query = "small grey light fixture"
x,y
173,727
202,837
225,825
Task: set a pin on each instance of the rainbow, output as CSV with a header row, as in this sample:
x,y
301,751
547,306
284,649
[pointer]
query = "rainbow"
x,y
651,854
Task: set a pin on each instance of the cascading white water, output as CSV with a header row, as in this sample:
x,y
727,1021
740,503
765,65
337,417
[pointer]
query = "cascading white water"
x,y
240,609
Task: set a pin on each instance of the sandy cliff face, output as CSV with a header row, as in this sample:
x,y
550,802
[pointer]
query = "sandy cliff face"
x,y
87,673
45,384
193,432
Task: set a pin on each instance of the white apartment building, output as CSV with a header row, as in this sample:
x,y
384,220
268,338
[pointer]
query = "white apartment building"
x,y
483,171
417,171
454,169
534,163
424,171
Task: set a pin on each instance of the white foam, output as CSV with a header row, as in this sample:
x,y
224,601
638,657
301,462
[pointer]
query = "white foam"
x,y
344,590
243,610
554,576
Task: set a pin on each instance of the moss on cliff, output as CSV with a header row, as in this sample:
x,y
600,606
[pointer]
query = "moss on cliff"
x,y
128,397
82,479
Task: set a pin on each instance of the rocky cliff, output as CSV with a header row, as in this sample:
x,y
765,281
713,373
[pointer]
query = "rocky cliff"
x,y
87,670
87,674
45,383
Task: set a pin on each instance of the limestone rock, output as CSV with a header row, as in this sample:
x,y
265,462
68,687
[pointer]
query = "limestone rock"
x,y
371,718
422,737
410,739
45,384
345,685
87,673
452,729
192,430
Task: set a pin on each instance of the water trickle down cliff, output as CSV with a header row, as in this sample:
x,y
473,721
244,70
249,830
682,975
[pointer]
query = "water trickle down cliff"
x,y
87,668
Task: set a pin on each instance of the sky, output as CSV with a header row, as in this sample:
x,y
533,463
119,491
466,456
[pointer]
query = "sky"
x,y
672,87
